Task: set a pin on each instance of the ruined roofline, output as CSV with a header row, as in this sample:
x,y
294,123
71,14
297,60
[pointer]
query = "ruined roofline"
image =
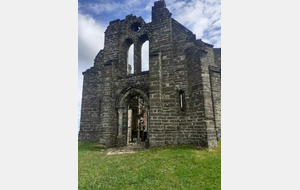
x,y
183,28
189,32
199,41
157,4
131,16
127,17
114,21
210,45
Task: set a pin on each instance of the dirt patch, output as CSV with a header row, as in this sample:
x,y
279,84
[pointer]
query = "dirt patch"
x,y
125,150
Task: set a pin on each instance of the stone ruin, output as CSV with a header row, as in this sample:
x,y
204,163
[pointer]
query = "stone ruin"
x,y
176,102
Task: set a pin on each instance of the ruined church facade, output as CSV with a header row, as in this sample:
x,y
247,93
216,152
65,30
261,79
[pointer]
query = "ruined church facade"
x,y
176,102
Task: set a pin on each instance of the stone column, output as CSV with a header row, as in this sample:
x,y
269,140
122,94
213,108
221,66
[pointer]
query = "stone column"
x,y
147,127
146,118
129,125
120,121
137,58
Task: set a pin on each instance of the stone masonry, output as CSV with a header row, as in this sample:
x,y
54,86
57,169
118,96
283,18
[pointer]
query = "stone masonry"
x,y
182,89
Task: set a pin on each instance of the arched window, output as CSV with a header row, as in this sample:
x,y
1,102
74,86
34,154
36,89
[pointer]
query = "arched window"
x,y
130,60
145,56
182,100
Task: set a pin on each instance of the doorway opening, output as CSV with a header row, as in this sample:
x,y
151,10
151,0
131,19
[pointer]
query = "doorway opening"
x,y
137,130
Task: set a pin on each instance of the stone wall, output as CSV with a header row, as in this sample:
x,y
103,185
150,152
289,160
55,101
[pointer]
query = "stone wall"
x,y
90,106
162,117
217,53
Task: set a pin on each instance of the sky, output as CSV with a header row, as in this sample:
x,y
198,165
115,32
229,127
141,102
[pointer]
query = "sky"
x,y
202,17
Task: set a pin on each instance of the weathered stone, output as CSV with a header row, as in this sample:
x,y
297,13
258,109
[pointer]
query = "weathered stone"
x,y
182,89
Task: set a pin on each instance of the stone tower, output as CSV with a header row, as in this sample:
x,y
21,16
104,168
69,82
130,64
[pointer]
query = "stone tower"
x,y
180,94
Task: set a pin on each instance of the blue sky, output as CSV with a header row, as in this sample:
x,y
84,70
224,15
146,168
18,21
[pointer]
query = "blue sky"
x,y
202,17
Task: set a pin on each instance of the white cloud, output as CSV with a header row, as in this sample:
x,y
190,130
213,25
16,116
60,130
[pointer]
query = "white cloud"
x,y
202,17
90,42
148,18
149,5
217,24
90,38
108,7
98,8
214,32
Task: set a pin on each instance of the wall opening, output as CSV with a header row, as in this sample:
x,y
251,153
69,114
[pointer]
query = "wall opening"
x,y
130,60
145,56
182,100
136,26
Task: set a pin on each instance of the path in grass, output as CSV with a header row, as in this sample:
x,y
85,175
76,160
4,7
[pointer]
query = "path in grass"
x,y
183,167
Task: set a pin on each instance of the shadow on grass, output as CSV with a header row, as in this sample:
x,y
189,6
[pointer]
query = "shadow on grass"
x,y
180,147
89,146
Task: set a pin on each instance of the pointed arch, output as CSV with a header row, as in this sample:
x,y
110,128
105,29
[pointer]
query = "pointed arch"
x,y
127,94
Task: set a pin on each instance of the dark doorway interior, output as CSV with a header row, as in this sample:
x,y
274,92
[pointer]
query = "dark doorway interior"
x,y
137,132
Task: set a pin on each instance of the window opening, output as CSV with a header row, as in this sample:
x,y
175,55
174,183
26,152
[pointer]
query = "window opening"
x,y
136,26
182,100
145,56
130,65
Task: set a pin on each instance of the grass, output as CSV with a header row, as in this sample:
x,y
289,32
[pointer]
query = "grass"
x,y
184,167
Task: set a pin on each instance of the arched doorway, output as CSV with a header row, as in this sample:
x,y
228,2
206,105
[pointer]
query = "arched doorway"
x,y
133,117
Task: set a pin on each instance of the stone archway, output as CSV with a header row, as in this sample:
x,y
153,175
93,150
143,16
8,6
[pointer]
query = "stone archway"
x,y
123,103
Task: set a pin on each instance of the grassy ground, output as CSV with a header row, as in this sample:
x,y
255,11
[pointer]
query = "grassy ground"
x,y
184,167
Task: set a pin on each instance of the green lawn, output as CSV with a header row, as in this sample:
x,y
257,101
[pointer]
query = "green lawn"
x,y
184,167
